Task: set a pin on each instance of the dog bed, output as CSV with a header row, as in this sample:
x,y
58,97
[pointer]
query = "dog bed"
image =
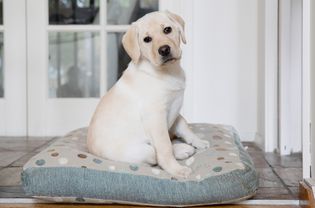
x,y
66,172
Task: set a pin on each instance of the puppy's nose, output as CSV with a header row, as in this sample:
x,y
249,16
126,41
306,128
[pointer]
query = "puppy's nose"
x,y
164,50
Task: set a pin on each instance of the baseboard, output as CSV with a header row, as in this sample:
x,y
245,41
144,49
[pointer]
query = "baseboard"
x,y
306,195
247,136
259,141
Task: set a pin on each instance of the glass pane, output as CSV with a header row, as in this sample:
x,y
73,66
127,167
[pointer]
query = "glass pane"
x,y
64,12
1,12
74,64
123,12
117,58
1,67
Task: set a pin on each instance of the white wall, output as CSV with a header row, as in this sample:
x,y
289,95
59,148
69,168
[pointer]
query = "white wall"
x,y
312,88
225,64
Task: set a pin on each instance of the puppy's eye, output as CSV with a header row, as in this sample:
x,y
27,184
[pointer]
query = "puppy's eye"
x,y
147,39
167,30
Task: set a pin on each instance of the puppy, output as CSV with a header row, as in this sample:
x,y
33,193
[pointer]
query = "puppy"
x,y
134,120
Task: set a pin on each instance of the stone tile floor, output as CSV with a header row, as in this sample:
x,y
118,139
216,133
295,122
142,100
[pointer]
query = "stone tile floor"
x,y
279,176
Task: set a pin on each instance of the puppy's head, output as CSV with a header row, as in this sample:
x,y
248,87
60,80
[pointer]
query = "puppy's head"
x,y
155,37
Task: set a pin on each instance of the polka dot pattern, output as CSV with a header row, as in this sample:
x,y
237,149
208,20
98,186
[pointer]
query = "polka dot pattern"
x,y
217,169
97,161
63,161
112,167
82,156
40,162
220,158
233,154
221,149
55,154
216,137
134,167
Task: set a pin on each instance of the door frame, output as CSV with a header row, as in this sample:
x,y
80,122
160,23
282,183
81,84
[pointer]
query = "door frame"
x,y
13,106
308,89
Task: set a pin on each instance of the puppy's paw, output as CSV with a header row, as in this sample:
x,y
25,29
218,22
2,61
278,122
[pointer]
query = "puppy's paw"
x,y
182,172
200,144
183,151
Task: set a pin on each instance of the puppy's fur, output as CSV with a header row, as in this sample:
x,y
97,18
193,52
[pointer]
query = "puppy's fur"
x,y
134,120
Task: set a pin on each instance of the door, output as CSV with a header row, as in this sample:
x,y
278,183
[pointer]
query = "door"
x,y
74,56
12,72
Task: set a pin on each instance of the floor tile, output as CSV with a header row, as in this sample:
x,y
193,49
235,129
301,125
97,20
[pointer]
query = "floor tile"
x,y
10,176
267,178
295,192
259,160
44,146
20,162
290,176
273,193
21,145
12,192
7,157
288,161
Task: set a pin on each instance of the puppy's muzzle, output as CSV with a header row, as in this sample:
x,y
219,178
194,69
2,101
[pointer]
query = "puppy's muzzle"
x,y
165,50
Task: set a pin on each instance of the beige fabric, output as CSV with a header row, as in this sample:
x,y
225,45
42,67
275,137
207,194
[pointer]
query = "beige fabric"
x,y
222,157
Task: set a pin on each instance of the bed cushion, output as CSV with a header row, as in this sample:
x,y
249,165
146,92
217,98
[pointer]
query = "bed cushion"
x,y
66,172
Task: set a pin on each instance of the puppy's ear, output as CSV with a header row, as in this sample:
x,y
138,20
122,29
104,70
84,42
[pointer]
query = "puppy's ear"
x,y
131,44
180,22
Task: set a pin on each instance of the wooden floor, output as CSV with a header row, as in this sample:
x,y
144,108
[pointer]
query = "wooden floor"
x,y
125,206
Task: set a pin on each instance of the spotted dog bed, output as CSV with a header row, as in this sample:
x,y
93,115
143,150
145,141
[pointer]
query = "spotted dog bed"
x,y
66,172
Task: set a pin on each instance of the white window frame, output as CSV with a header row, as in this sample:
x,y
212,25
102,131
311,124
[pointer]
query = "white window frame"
x,y
308,136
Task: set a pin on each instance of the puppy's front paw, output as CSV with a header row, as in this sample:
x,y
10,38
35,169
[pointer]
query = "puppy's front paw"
x,y
200,144
183,151
182,172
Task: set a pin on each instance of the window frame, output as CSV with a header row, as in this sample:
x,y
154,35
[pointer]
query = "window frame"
x,y
103,28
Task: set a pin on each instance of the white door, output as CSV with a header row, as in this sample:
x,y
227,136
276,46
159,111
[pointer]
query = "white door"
x,y
12,68
74,55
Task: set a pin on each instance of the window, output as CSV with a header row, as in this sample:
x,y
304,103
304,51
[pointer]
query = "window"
x,y
74,64
80,34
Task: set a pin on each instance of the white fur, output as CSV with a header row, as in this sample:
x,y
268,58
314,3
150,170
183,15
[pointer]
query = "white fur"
x,y
134,120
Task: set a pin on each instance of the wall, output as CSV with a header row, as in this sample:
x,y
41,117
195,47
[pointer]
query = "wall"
x,y
225,65
312,80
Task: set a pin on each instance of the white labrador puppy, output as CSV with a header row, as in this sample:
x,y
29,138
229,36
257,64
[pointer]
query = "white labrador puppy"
x,y
135,120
